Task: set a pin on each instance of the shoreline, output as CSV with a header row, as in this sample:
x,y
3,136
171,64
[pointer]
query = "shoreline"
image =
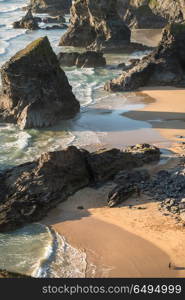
x,y
101,231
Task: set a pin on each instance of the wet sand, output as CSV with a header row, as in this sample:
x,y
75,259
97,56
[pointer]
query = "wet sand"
x,y
166,113
121,242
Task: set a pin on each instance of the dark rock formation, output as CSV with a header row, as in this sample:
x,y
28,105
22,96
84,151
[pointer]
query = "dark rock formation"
x,y
32,189
52,7
120,194
164,66
57,19
151,13
27,22
89,59
35,90
96,24
54,27
128,183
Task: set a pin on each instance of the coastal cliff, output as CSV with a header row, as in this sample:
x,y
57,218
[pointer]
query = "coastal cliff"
x,y
151,13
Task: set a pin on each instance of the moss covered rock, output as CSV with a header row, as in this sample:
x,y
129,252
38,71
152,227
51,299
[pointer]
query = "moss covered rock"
x,y
35,90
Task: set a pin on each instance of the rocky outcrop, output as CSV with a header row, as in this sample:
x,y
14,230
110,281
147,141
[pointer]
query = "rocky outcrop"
x,y
88,59
151,13
52,7
96,24
54,27
163,67
35,90
30,190
27,22
57,19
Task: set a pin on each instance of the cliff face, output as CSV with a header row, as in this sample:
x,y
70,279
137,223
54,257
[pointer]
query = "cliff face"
x,y
96,24
151,13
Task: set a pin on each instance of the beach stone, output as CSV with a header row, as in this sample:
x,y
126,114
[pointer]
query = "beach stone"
x,y
35,90
88,59
165,66
27,22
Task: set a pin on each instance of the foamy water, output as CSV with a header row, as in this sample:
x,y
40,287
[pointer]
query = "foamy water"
x,y
37,251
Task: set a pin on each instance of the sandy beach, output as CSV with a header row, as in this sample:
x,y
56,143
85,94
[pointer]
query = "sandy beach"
x,y
130,242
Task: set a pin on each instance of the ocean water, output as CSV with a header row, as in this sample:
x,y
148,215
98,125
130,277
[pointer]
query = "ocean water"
x,y
34,249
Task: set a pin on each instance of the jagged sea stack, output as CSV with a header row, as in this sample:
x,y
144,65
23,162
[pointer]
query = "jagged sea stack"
x,y
165,66
96,24
35,90
27,22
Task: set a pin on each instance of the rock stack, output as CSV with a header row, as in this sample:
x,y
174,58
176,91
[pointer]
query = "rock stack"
x,y
35,90
165,66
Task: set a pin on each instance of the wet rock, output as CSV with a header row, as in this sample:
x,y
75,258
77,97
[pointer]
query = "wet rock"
x,y
88,59
35,90
96,24
164,66
27,22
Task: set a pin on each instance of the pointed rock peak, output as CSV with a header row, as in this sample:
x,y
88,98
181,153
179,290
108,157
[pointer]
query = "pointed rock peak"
x,y
38,48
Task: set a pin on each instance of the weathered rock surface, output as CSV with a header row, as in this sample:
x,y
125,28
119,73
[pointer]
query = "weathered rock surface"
x,y
35,90
27,22
89,59
30,190
7,274
96,24
57,19
164,66
151,13
52,7
54,27
128,183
